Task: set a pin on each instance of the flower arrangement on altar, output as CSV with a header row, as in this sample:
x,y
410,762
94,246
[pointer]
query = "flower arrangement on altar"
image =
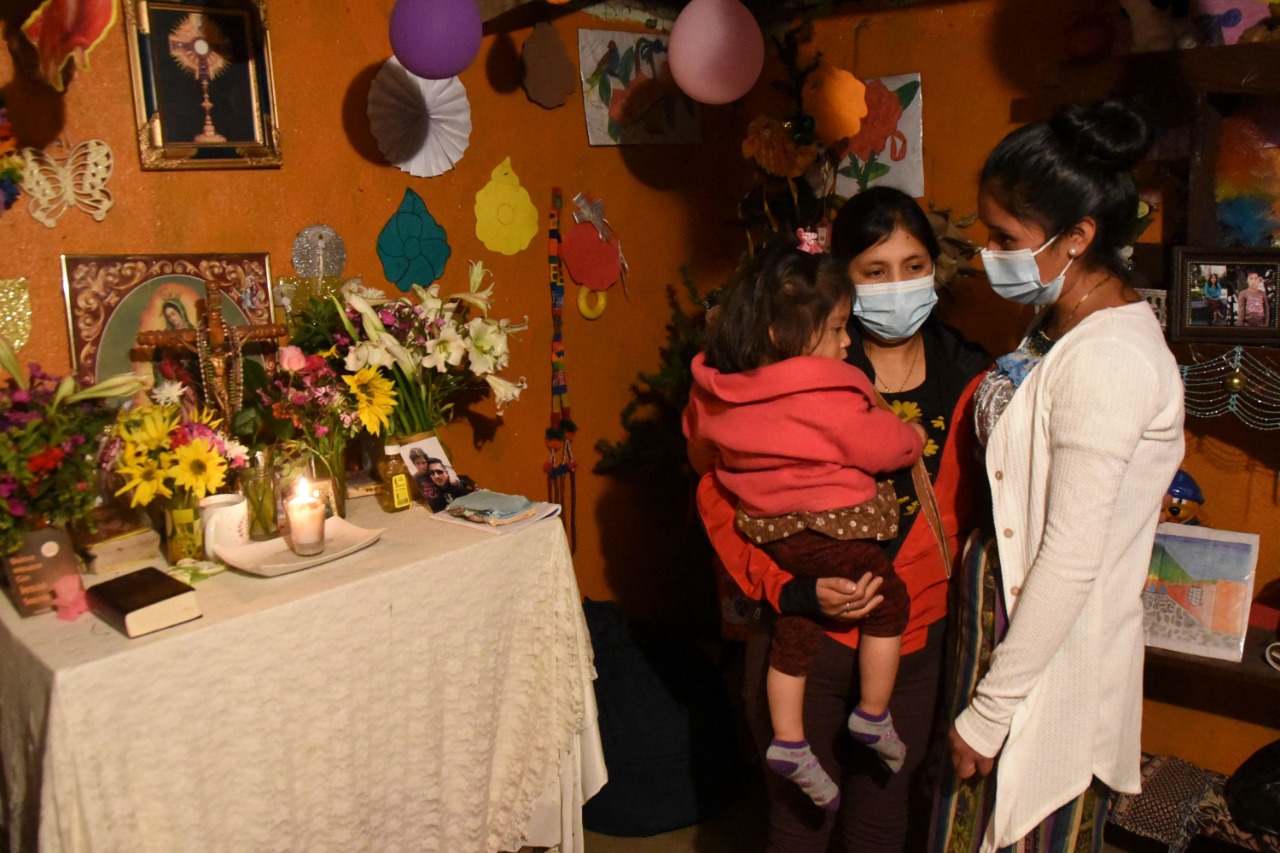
x,y
48,433
174,455
432,349
165,452
317,410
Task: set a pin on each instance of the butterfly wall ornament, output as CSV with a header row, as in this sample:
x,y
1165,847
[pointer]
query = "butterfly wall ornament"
x,y
78,180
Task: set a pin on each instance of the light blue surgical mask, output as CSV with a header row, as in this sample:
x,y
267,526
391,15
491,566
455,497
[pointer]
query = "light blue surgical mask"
x,y
1015,276
894,310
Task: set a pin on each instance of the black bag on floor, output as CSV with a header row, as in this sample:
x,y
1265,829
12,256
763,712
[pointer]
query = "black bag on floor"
x,y
1253,792
666,726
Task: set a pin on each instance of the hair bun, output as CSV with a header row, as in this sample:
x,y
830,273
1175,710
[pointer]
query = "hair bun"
x,y
1111,135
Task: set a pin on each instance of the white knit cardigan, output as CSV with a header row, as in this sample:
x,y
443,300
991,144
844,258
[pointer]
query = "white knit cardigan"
x,y
1078,464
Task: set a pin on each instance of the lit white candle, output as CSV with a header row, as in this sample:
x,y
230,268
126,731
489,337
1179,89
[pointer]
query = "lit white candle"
x,y
306,520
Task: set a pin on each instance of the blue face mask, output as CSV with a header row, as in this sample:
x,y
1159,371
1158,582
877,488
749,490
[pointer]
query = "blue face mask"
x,y
1015,276
894,310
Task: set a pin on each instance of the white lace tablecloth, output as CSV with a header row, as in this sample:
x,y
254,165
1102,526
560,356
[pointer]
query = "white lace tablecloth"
x,y
432,692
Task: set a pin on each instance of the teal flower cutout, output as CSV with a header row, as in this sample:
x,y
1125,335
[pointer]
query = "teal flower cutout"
x,y
413,247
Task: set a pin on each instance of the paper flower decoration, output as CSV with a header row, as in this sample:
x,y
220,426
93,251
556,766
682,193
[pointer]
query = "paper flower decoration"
x,y
550,76
412,245
836,100
11,162
772,144
422,126
506,219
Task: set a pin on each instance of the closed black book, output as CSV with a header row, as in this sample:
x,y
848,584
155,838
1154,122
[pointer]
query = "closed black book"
x,y
143,601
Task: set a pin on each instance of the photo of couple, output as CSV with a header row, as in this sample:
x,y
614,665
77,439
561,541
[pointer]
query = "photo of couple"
x,y
436,481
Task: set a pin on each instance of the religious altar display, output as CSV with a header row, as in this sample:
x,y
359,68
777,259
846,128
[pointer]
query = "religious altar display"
x,y
432,691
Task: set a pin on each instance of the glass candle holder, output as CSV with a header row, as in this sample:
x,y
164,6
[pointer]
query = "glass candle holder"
x,y
305,511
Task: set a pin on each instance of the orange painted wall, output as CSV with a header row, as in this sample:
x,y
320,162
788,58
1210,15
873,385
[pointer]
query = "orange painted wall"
x,y
671,206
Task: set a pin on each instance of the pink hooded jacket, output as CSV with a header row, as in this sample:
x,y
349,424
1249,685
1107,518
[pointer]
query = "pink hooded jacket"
x,y
800,434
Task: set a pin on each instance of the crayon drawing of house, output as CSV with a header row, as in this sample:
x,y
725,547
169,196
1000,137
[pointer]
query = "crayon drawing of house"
x,y
1198,590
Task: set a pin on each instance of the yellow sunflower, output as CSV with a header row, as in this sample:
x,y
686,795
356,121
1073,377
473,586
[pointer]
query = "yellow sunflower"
x,y
198,468
375,398
146,478
149,428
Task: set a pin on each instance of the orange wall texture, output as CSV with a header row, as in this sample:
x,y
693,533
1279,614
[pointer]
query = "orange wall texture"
x,y
671,205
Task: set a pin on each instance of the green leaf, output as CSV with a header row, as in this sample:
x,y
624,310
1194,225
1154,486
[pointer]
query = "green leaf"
x,y
606,91
853,170
875,170
626,65
907,92
614,130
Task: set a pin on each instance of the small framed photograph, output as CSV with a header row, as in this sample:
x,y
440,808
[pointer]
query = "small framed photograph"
x,y
433,474
1225,296
111,298
323,489
202,85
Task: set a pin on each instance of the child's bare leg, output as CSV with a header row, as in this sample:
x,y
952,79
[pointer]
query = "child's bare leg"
x,y
789,754
870,722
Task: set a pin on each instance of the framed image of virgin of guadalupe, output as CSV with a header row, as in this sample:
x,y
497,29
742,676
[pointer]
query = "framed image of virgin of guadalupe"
x,y
111,298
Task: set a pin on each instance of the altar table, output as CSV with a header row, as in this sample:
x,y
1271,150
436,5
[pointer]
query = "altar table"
x,y
432,692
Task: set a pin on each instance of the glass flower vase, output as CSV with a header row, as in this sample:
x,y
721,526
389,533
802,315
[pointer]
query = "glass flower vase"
x,y
260,486
332,463
183,533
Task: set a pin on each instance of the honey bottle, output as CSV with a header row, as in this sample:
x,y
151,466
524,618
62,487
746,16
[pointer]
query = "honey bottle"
x,y
395,494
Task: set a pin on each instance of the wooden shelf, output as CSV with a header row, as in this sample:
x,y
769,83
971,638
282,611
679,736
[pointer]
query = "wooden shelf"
x,y
1247,691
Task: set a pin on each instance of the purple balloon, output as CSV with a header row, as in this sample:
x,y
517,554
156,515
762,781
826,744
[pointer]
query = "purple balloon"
x,y
435,39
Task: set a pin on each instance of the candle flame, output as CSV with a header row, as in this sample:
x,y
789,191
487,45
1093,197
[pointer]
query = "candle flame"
x,y
302,489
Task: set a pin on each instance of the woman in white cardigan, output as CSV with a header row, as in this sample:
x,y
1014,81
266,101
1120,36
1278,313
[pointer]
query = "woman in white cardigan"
x,y
1083,424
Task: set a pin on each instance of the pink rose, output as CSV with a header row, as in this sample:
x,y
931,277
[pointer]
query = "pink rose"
x,y
292,359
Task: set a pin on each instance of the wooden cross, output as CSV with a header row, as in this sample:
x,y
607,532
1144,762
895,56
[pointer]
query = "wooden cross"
x,y
219,348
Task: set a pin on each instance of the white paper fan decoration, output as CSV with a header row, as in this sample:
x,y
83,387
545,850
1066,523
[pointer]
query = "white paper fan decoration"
x,y
422,126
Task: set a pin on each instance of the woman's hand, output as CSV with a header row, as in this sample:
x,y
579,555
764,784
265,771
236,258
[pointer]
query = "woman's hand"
x,y
842,599
966,760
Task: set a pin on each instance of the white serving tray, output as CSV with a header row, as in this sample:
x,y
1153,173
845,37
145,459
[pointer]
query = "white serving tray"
x,y
275,557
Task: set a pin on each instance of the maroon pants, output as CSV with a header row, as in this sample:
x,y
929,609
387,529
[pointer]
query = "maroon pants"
x,y
880,812
812,555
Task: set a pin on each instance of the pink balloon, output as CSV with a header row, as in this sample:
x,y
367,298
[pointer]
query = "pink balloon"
x,y
435,39
716,51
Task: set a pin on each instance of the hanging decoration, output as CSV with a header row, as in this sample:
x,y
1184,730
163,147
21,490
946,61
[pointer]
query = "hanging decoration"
x,y
593,255
549,74
717,50
63,30
1233,382
319,257
628,94
506,220
560,468
412,246
15,311
79,181
435,39
836,100
422,126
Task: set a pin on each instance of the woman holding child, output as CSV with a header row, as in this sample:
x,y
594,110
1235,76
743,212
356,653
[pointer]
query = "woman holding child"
x,y
884,243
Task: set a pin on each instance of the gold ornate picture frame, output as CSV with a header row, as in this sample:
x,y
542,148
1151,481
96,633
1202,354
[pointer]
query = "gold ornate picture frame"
x,y
111,298
202,84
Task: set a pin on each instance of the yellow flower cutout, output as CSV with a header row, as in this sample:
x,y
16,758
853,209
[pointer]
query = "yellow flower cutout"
x,y
930,448
375,398
506,219
939,422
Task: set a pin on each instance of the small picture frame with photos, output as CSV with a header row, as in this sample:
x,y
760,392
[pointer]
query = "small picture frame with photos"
x,y
1225,295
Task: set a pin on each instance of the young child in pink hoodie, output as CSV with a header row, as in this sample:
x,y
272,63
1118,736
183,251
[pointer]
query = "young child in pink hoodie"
x,y
793,431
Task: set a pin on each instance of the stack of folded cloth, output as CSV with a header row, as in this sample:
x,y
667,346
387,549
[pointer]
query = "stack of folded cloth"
x,y
486,507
